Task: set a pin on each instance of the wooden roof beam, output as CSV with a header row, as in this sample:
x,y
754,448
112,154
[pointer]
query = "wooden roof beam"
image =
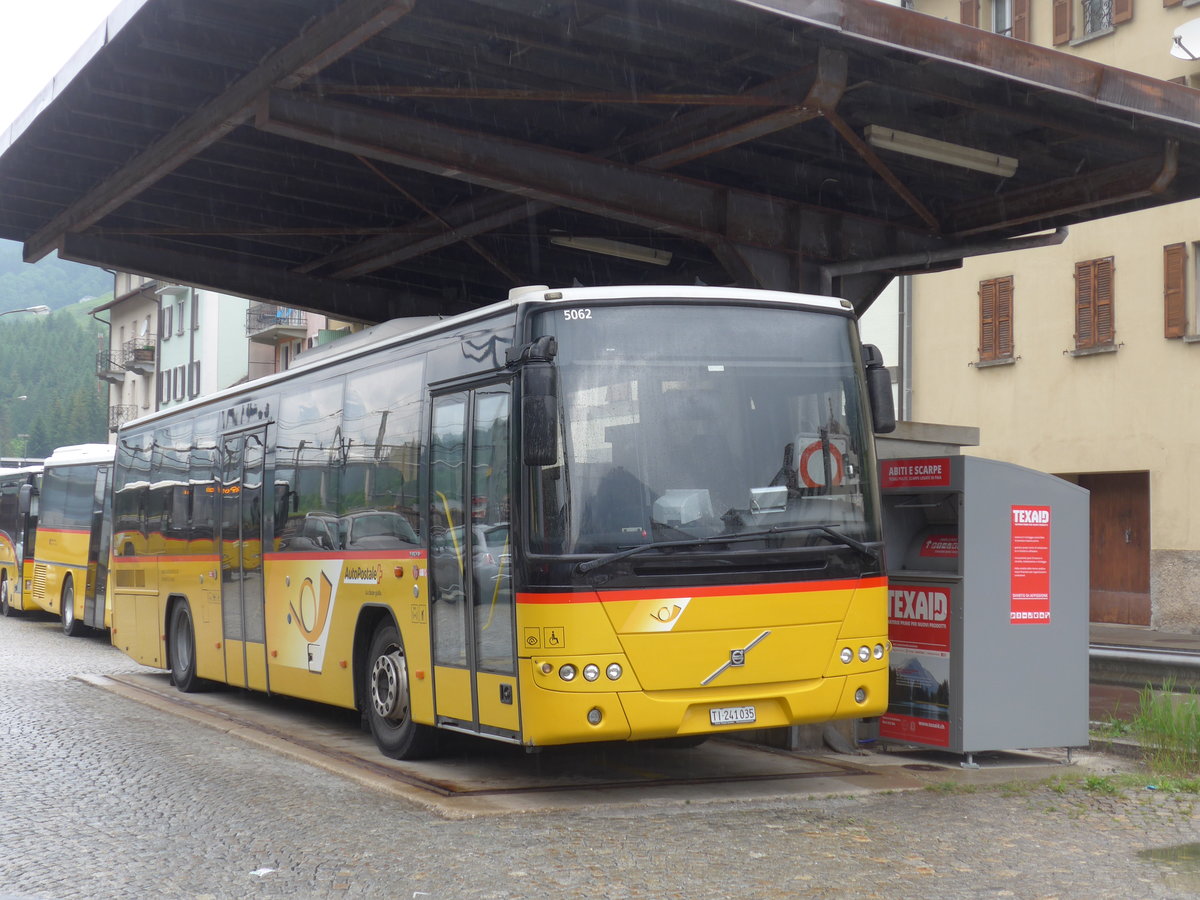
x,y
347,27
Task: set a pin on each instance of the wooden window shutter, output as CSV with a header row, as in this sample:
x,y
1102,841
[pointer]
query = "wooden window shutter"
x,y
1175,290
1062,21
1085,332
987,320
1020,21
968,12
1104,301
1169,3
1122,11
995,319
1004,317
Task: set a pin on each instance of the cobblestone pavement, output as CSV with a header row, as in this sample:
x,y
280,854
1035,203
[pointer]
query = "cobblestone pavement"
x,y
102,797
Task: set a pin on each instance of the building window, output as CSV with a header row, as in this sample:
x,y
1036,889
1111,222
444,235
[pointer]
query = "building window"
x,y
995,319
1096,17
1009,17
179,311
1094,304
194,380
1175,312
164,323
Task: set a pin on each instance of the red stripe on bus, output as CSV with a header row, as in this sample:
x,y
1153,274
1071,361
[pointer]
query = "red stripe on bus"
x,y
193,557
42,530
278,555
619,596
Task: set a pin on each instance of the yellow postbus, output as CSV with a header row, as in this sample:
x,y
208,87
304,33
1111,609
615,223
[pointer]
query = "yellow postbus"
x,y
71,559
18,536
577,515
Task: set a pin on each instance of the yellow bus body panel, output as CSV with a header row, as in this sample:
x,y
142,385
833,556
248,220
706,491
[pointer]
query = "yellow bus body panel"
x,y
313,607
453,692
59,553
20,584
685,652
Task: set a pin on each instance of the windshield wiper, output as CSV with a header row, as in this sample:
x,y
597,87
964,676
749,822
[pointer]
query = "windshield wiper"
x,y
827,530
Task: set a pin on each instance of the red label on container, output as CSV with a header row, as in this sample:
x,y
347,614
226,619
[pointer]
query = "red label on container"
x,y
919,668
902,473
940,546
1030,561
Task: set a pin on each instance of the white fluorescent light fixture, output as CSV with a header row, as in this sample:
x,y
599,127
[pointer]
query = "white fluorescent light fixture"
x,y
940,151
609,247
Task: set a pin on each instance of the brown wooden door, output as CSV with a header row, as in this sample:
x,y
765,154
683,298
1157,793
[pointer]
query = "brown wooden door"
x,y
1120,547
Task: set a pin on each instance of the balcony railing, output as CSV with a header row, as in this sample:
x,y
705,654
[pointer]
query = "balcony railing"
x,y
109,367
266,323
139,356
119,415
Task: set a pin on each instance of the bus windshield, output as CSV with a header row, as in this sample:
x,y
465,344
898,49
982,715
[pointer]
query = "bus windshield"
x,y
685,423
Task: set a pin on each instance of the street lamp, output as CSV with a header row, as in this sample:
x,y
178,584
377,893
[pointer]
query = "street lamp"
x,y
40,310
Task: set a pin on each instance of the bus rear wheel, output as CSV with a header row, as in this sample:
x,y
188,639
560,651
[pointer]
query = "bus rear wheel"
x,y
386,700
6,608
71,626
182,638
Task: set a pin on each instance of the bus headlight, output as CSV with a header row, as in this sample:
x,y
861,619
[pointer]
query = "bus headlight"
x,y
594,716
878,654
864,653
860,696
567,672
613,671
591,672
847,655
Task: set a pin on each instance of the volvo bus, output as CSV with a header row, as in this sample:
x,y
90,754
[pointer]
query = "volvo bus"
x,y
593,514
18,535
71,559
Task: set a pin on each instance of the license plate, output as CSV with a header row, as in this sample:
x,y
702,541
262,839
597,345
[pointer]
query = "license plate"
x,y
731,715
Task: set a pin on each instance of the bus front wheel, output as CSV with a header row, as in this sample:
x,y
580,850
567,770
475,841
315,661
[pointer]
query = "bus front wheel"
x,y
71,626
183,650
386,700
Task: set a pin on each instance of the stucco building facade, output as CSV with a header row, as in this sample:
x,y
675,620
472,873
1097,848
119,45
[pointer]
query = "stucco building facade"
x,y
1083,359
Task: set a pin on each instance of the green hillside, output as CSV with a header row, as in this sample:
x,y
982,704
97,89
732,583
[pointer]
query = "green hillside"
x,y
49,393
52,282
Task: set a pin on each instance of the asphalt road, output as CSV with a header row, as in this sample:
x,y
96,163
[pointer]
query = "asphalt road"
x,y
105,797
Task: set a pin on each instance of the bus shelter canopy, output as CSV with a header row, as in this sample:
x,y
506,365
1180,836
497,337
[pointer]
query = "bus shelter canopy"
x,y
370,159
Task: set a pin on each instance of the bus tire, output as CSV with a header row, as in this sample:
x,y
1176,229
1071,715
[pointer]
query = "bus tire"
x,y
182,645
71,626
386,699
6,608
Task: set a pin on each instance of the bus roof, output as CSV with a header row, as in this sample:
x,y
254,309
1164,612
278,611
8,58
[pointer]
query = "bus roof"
x,y
398,331
23,470
80,454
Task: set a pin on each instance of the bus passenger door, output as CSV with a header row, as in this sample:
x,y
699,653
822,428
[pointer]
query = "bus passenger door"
x,y
95,600
471,596
242,598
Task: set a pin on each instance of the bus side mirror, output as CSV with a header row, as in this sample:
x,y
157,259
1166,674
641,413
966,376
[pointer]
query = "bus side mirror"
x,y
879,390
539,414
25,499
539,400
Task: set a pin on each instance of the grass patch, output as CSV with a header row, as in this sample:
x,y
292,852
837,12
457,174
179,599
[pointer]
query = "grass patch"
x,y
1167,725
1101,784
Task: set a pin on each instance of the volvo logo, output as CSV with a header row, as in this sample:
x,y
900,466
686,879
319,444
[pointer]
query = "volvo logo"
x,y
737,657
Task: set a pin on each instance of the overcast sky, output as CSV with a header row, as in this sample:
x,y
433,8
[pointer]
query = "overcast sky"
x,y
37,37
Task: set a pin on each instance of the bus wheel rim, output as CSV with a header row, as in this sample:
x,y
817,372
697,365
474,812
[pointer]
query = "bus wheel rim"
x,y
389,685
